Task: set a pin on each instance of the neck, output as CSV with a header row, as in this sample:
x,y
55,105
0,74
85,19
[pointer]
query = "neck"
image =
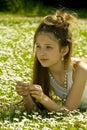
x,y
57,69
59,76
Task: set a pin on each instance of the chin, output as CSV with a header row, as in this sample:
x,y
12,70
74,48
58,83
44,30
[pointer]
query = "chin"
x,y
44,66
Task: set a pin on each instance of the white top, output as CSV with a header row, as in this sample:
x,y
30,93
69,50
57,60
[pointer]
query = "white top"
x,y
63,92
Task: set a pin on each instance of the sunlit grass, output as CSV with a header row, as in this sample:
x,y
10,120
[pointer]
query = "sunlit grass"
x,y
16,60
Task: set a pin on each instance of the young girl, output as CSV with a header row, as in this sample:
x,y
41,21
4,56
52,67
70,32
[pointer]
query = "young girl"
x,y
54,69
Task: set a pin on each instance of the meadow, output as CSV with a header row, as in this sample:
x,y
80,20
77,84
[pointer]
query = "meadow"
x,y
16,61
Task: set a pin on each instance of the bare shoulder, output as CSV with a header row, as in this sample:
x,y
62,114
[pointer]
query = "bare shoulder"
x,y
82,66
81,69
79,64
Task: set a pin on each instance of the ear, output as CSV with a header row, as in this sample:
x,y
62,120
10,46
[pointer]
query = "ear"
x,y
64,50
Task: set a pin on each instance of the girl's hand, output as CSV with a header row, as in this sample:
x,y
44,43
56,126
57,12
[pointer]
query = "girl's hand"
x,y
22,88
36,92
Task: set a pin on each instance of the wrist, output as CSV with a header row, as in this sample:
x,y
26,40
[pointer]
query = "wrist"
x,y
44,99
29,103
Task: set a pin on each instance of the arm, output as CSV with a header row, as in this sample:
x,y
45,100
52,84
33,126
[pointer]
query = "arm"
x,y
49,104
79,81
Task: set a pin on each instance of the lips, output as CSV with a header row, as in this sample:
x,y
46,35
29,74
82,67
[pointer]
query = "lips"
x,y
43,60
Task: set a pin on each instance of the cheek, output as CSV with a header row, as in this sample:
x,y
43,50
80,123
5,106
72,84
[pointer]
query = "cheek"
x,y
56,55
37,55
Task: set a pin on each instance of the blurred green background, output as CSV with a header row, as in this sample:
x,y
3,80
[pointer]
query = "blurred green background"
x,y
41,7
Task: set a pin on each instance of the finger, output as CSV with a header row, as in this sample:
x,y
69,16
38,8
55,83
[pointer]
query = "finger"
x,y
19,91
34,92
19,88
34,87
19,83
22,87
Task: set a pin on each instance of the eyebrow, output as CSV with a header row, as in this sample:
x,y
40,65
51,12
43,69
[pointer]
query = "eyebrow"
x,y
45,44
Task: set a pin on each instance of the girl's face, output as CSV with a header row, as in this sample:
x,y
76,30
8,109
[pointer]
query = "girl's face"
x,y
47,50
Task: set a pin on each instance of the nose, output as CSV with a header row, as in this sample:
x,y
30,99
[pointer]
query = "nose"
x,y
42,52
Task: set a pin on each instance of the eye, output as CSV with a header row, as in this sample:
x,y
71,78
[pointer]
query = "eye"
x,y
48,47
37,46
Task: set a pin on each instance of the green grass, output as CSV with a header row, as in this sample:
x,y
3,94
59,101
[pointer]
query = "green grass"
x,y
16,60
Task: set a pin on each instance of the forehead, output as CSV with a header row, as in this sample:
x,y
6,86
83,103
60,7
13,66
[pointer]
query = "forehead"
x,y
46,36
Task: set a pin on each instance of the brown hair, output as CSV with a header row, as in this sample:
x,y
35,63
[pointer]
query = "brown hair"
x,y
58,25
